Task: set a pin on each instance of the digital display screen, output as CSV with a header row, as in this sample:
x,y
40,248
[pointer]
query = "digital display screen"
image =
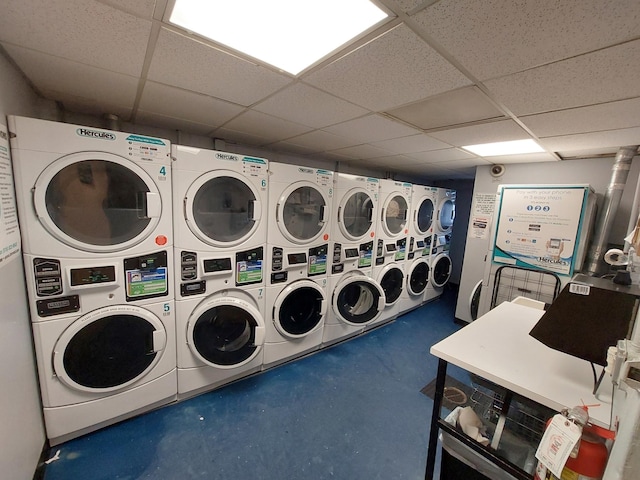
x,y
420,244
92,275
634,374
295,258
391,247
217,265
351,252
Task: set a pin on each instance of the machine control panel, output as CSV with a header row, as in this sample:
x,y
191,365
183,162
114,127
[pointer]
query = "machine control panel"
x,y
277,255
337,252
188,266
146,276
193,288
92,275
48,277
318,260
249,266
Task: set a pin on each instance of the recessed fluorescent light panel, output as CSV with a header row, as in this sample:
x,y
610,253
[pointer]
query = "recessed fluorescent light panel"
x,y
497,149
288,34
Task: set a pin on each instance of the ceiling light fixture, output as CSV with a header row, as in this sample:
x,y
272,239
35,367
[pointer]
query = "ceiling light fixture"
x,y
288,34
497,149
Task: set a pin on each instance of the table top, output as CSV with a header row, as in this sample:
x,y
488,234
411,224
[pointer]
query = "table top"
x,y
497,346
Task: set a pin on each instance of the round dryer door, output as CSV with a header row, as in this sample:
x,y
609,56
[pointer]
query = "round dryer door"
x,y
299,309
391,281
358,300
225,332
355,214
446,216
301,212
418,277
109,349
441,270
222,208
424,216
394,214
97,202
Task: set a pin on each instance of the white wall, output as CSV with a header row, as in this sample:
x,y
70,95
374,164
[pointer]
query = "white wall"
x,y
595,171
21,427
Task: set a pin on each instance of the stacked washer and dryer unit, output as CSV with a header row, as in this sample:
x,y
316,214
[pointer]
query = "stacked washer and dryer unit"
x,y
95,210
391,246
300,205
220,225
440,243
357,299
418,266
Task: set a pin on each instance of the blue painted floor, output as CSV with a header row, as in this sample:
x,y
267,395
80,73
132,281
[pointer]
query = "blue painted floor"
x,y
353,411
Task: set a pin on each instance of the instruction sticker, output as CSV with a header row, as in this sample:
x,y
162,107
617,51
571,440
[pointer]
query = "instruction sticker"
x,y
143,283
248,272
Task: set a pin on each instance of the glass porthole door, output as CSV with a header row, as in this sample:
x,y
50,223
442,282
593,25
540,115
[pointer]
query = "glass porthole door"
x,y
109,349
418,277
392,282
447,216
225,332
222,209
358,300
299,309
301,213
394,215
355,214
97,202
424,216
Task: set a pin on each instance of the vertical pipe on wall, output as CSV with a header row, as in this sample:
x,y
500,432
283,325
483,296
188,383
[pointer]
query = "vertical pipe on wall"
x,y
619,174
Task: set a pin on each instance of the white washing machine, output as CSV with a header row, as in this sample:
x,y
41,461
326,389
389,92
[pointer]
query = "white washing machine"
x,y
300,205
87,193
220,332
104,336
441,240
220,204
421,220
357,299
392,233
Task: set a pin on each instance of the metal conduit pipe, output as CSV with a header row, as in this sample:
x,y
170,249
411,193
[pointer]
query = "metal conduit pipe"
x,y
112,122
619,173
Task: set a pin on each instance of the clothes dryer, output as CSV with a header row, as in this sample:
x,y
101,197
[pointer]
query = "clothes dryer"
x,y
104,337
441,240
422,213
300,205
85,192
392,233
220,317
220,200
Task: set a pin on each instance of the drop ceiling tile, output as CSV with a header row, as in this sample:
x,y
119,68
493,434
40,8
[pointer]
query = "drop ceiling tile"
x,y
411,144
606,116
191,65
140,8
268,128
523,158
389,162
599,77
363,151
394,69
500,131
438,156
187,105
456,107
499,37
84,31
408,5
233,136
56,77
309,106
370,129
321,141
172,123
592,141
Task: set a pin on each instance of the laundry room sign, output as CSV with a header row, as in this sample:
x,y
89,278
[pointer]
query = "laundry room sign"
x,y
9,230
